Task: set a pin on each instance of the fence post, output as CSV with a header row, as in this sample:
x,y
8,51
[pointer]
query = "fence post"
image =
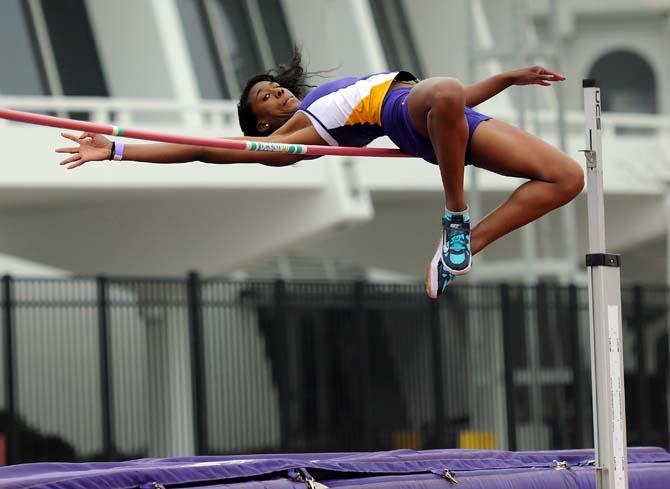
x,y
437,346
508,353
639,321
285,403
363,356
577,366
105,372
12,443
194,297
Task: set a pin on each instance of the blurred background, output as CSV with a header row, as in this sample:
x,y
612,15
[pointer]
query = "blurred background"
x,y
155,310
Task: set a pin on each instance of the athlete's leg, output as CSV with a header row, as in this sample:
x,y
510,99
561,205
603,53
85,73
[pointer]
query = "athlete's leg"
x,y
436,109
555,178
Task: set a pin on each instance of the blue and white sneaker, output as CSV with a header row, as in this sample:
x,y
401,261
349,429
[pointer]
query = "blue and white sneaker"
x,y
456,255
438,278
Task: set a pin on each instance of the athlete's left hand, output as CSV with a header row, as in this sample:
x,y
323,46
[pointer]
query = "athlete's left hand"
x,y
534,75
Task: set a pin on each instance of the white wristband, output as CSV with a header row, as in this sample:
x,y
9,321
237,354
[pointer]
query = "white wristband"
x,y
118,151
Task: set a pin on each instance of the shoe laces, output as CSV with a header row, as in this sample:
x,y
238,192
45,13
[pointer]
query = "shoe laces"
x,y
458,241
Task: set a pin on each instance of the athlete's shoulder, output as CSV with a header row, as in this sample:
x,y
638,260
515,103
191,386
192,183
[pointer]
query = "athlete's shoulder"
x,y
326,89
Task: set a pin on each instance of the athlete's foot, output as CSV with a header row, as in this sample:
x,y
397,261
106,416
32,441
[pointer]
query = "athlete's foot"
x,y
437,275
456,242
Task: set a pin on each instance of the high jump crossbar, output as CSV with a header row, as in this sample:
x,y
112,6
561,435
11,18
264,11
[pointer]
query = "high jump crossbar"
x,y
234,144
607,373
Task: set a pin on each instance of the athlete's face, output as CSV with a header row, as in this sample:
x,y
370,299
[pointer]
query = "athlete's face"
x,y
272,104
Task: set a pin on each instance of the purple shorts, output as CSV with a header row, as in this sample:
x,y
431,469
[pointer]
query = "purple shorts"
x,y
398,127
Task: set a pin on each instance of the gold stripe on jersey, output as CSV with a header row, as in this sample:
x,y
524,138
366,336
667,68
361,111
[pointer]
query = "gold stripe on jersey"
x,y
369,109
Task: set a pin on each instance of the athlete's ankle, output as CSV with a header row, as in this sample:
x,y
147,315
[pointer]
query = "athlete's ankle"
x,y
456,208
462,210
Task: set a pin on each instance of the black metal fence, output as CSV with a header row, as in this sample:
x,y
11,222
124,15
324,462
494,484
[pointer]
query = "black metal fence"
x,y
103,368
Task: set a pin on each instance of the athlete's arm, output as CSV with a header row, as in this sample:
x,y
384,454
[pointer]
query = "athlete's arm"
x,y
95,147
297,130
535,75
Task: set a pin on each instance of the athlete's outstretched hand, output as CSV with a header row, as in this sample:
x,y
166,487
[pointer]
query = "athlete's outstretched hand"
x,y
534,75
90,147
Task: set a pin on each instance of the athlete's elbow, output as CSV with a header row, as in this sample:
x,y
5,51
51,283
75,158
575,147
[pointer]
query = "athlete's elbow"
x,y
211,155
283,160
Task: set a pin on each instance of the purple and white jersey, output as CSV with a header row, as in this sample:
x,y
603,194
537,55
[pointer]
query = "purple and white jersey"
x,y
348,111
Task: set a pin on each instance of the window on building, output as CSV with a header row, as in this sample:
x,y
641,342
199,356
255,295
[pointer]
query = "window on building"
x,y
18,47
396,36
50,58
627,81
203,50
74,48
241,42
232,40
277,31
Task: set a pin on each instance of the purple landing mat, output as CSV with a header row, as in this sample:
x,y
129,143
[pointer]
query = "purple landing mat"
x,y
649,468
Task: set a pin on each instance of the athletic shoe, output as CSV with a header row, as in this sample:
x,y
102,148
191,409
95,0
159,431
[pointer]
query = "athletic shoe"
x,y
456,242
437,275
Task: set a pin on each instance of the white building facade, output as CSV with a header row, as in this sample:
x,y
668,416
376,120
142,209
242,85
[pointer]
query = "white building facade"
x,y
178,65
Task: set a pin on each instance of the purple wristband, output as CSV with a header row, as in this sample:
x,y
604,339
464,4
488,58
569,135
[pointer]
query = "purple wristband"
x,y
118,151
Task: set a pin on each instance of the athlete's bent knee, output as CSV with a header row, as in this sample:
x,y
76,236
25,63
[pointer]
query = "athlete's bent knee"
x,y
448,96
572,182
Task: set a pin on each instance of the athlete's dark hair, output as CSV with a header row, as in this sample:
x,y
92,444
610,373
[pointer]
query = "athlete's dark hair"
x,y
291,77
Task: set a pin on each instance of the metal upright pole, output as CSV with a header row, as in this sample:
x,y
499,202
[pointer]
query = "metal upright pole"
x,y
609,411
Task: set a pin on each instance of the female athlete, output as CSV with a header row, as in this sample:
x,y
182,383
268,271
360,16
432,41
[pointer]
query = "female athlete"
x,y
432,119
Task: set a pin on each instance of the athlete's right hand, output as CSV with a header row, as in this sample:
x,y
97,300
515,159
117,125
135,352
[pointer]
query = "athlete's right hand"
x,y
90,147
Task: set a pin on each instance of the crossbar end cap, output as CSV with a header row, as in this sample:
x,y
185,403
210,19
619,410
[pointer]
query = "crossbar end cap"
x,y
589,83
